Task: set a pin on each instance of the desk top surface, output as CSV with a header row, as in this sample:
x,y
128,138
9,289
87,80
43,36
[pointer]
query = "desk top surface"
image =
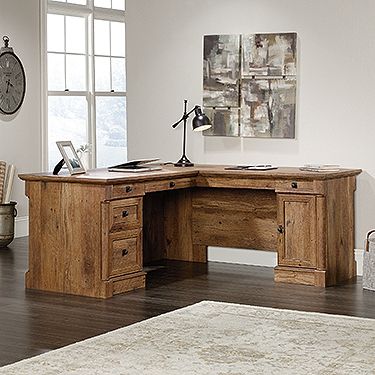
x,y
102,176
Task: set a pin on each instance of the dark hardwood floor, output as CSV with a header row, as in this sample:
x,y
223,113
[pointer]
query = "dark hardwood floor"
x,y
33,322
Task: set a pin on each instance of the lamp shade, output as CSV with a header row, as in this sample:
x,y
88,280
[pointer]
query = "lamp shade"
x,y
200,121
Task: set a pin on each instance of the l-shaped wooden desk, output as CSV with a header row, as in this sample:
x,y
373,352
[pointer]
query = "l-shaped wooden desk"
x,y
91,234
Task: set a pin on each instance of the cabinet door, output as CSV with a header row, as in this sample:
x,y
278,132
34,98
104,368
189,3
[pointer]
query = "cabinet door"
x,y
297,230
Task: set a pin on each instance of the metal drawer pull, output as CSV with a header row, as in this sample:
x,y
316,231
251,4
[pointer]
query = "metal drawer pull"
x,y
128,189
280,229
125,213
125,252
172,184
294,185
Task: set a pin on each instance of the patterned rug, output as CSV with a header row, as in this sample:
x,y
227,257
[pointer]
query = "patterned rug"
x,y
219,338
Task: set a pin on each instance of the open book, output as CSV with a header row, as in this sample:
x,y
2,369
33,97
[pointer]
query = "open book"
x,y
140,165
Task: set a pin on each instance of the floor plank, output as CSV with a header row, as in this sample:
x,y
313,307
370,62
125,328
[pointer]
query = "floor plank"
x,y
33,322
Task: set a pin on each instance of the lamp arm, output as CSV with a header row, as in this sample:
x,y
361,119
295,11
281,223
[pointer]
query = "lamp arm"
x,y
184,117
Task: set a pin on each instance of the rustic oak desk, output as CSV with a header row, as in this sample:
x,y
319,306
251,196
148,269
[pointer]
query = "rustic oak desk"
x,y
91,234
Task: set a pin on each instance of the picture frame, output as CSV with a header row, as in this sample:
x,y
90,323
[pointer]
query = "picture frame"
x,y
70,157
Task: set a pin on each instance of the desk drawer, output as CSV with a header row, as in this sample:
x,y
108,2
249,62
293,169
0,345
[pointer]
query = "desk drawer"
x,y
169,184
124,214
298,186
127,191
123,254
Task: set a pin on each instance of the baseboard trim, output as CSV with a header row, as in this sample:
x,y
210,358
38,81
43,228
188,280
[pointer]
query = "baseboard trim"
x,y
358,254
21,226
241,256
260,258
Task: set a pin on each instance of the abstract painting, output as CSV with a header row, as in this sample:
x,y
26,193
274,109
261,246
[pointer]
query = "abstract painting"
x,y
269,54
249,84
268,108
221,70
225,121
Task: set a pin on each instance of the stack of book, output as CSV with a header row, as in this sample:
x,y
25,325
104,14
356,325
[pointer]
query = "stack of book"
x,y
320,168
6,181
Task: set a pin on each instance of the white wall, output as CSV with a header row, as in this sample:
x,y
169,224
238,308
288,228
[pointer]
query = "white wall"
x,y
335,119
20,135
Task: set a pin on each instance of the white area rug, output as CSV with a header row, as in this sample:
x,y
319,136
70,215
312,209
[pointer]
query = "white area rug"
x,y
219,338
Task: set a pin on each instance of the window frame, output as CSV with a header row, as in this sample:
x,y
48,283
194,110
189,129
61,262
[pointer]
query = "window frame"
x,y
90,13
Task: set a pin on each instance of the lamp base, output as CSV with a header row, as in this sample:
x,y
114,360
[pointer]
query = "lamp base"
x,y
184,162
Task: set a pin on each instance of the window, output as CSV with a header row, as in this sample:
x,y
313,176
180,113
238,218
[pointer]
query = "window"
x,y
85,79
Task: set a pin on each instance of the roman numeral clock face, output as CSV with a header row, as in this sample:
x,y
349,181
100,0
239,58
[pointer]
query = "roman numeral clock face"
x,y
12,83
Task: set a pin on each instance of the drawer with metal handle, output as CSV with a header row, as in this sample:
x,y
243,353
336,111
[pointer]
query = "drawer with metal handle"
x,y
123,214
126,191
300,186
123,253
169,184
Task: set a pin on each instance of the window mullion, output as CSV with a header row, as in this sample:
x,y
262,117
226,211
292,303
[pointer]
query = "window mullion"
x,y
44,84
67,93
109,14
69,9
92,99
110,93
65,80
110,55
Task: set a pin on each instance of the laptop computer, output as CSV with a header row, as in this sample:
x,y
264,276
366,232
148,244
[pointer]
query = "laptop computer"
x,y
139,165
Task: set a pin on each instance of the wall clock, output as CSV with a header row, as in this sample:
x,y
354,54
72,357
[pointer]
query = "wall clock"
x,y
12,80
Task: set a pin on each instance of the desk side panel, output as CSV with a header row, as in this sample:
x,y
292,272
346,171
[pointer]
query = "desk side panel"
x,y
341,263
65,238
238,218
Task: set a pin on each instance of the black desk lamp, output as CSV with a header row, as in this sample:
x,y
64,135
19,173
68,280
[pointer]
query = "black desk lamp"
x,y
200,122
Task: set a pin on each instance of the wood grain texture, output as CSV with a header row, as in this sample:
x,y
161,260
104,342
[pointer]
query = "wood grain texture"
x,y
321,233
80,224
124,214
126,191
302,276
234,218
341,264
126,283
167,228
124,253
153,227
234,181
297,218
33,191
281,173
178,226
169,184
298,185
65,238
102,176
